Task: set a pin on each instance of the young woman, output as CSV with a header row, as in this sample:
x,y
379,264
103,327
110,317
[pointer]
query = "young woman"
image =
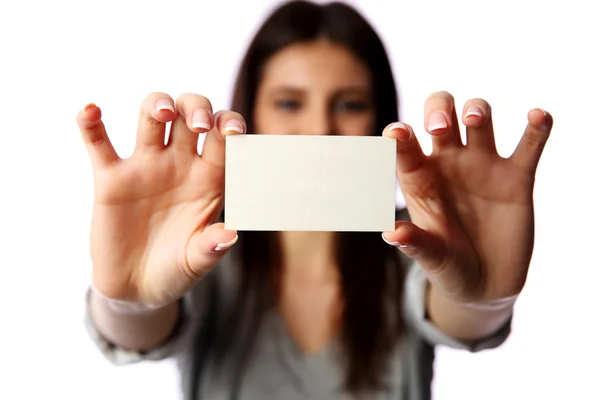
x,y
290,315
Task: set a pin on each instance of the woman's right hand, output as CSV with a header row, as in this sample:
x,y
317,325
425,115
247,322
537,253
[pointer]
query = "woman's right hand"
x,y
153,231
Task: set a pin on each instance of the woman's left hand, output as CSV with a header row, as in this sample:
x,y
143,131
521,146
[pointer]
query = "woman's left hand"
x,y
472,215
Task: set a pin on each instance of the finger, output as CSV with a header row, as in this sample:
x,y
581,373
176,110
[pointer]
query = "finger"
x,y
156,110
426,248
93,132
409,155
477,116
532,143
206,248
194,116
441,121
226,123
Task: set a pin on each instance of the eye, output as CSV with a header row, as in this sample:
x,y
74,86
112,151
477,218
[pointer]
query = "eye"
x,y
352,106
288,104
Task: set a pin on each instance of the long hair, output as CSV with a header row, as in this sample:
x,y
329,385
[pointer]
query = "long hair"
x,y
371,273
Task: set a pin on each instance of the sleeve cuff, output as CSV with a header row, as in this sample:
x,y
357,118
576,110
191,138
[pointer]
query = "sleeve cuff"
x,y
119,356
415,312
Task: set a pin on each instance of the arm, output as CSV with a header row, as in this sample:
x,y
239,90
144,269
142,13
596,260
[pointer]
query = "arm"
x,y
458,330
467,322
153,235
126,334
471,227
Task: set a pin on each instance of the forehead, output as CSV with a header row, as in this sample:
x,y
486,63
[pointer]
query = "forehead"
x,y
320,65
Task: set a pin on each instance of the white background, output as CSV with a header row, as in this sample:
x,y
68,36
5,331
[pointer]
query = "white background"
x,y
56,56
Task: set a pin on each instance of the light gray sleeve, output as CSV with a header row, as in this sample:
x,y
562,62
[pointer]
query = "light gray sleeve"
x,y
192,313
415,314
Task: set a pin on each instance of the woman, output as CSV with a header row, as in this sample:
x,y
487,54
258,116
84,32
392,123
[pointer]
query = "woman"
x,y
307,314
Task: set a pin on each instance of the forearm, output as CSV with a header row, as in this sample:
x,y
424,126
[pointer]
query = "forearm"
x,y
133,330
467,322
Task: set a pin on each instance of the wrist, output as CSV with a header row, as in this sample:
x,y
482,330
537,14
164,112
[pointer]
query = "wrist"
x,y
500,304
123,306
491,305
467,320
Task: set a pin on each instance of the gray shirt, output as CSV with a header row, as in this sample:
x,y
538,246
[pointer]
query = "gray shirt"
x,y
278,370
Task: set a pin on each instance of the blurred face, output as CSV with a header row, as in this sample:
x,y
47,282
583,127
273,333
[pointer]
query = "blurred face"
x,y
315,88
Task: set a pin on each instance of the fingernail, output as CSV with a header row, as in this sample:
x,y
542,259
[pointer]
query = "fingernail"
x,y
164,104
225,246
474,111
547,121
402,132
396,244
88,106
234,125
437,121
201,119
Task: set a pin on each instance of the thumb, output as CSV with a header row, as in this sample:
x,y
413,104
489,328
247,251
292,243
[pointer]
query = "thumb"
x,y
427,248
206,247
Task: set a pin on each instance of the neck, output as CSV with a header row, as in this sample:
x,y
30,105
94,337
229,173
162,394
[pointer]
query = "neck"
x,y
309,254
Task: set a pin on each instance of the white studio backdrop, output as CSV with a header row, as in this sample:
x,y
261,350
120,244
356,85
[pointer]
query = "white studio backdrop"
x,y
57,56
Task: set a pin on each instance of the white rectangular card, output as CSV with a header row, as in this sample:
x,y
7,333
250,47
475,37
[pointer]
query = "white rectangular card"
x,y
310,183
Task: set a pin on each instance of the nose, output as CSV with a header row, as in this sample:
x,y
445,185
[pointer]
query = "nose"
x,y
319,122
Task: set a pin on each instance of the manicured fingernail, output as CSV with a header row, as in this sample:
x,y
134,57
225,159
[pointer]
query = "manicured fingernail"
x,y
234,125
225,246
401,131
437,121
544,111
474,111
88,106
201,119
164,104
396,244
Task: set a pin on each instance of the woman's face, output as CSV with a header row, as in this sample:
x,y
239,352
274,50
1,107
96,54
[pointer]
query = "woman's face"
x,y
315,88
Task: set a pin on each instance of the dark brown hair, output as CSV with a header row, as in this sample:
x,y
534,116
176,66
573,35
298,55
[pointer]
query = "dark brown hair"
x,y
371,273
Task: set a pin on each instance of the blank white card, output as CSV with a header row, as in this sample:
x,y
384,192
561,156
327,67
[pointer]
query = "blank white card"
x,y
310,183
